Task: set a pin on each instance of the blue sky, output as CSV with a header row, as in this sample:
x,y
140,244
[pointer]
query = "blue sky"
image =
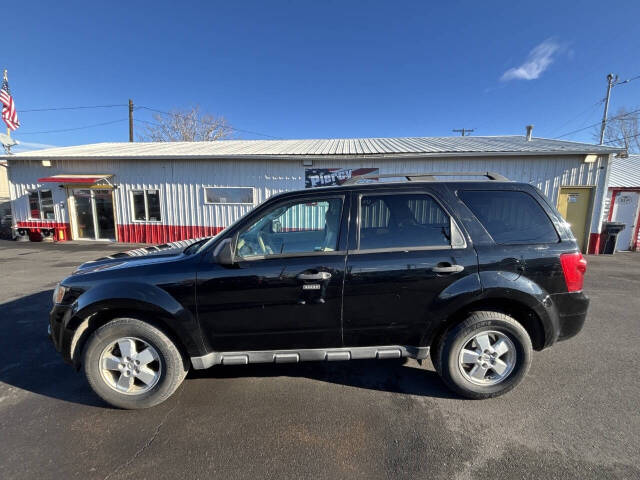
x,y
312,69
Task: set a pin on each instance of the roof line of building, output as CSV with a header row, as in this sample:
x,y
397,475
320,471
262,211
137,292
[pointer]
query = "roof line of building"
x,y
293,157
408,147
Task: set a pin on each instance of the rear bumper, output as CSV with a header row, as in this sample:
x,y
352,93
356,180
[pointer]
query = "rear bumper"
x,y
572,313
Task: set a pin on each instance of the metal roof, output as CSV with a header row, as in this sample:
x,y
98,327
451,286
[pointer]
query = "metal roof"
x,y
625,172
338,147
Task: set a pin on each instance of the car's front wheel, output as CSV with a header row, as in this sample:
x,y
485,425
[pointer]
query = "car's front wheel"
x,y
486,355
132,364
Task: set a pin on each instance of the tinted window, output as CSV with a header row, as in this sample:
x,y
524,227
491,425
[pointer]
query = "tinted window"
x,y
34,205
228,195
138,206
46,204
405,220
146,205
153,205
299,227
510,216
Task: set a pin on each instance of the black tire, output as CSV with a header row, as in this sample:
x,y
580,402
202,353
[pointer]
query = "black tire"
x,y
446,353
172,366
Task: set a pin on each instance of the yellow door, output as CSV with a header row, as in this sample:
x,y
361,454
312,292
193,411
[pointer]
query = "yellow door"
x,y
575,206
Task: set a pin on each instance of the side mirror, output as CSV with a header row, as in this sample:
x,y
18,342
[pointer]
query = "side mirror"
x,y
223,253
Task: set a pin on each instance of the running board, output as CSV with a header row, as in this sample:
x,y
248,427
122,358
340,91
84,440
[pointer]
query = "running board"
x,y
308,355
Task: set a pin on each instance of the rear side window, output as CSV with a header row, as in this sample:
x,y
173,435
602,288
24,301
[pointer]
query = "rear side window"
x,y
510,217
400,221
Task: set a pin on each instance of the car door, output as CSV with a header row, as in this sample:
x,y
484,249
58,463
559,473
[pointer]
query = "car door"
x,y
405,250
284,289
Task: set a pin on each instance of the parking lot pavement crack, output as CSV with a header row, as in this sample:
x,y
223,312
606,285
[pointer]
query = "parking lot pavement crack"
x,y
148,443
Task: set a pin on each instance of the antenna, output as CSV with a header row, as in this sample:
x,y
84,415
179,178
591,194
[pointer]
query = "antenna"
x,y
463,131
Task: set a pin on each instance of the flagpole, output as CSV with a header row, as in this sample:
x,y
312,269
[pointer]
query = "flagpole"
x,y
6,79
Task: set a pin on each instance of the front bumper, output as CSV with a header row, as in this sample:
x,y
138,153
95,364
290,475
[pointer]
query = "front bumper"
x,y
572,312
59,335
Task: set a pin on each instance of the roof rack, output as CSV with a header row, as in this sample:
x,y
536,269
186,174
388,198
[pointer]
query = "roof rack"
x,y
426,177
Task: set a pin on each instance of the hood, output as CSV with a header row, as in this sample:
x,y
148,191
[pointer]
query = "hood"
x,y
139,256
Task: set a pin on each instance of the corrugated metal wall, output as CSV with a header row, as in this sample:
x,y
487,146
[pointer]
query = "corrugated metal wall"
x,y
181,182
4,183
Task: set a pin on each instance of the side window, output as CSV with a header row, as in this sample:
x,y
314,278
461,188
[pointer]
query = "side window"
x,y
404,220
46,204
228,195
153,205
34,204
41,204
298,227
510,217
146,205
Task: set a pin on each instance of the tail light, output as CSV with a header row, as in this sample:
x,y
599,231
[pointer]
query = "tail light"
x,y
574,266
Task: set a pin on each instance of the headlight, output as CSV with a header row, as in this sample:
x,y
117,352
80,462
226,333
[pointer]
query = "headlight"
x,y
59,293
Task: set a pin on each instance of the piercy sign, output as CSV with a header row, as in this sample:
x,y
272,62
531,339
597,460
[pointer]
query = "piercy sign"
x,y
323,177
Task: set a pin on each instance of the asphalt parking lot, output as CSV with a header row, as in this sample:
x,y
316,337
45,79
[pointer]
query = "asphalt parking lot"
x,y
575,416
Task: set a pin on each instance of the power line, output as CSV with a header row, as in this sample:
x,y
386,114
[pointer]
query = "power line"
x,y
621,139
227,126
588,109
72,108
596,124
628,80
84,107
75,128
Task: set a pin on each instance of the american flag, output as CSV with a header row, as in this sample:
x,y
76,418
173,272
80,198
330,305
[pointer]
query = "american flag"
x,y
9,114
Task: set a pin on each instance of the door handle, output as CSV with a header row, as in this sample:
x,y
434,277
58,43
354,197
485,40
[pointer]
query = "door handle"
x,y
446,268
314,276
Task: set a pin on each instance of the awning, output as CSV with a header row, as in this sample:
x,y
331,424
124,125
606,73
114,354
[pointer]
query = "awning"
x,y
84,178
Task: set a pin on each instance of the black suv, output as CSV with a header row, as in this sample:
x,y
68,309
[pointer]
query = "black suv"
x,y
474,274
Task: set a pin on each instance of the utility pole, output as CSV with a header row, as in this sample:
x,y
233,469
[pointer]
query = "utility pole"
x,y
130,120
611,79
463,130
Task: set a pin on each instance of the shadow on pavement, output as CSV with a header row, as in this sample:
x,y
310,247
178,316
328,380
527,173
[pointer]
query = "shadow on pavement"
x,y
383,375
30,362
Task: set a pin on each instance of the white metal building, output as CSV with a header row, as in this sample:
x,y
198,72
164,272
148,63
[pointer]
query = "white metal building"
x,y
158,192
623,200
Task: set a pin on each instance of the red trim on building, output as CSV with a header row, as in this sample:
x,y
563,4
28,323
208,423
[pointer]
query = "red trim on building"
x,y
614,192
62,231
86,179
154,233
594,244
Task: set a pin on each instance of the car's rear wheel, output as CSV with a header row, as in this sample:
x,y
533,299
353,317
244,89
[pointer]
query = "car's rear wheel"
x,y
132,364
486,355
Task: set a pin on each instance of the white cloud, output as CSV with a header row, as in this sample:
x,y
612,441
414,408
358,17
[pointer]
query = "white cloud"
x,y
536,63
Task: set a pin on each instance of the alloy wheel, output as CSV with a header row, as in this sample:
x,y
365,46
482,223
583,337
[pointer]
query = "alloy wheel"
x,y
487,357
130,365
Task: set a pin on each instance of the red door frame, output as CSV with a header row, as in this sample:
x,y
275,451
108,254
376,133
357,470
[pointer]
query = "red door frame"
x,y
614,193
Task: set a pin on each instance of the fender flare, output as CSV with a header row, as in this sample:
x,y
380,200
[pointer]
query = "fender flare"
x,y
501,287
148,301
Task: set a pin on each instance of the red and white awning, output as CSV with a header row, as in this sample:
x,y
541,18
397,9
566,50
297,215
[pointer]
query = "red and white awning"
x,y
80,178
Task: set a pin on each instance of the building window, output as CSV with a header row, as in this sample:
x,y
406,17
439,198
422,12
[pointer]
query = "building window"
x,y
41,204
146,205
229,195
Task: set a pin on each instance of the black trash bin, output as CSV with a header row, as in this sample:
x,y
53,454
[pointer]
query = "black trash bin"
x,y
610,231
